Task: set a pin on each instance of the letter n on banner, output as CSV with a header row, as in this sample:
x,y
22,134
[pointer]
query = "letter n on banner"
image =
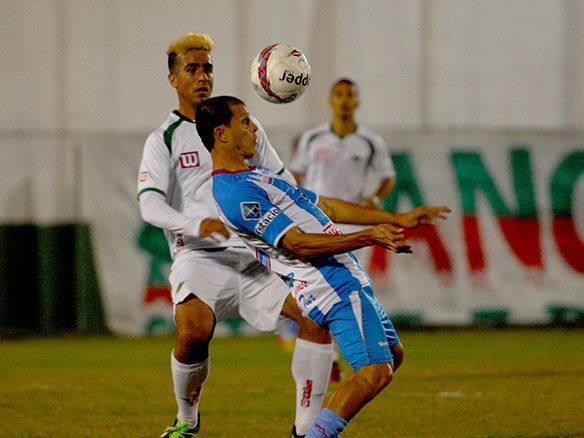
x,y
520,226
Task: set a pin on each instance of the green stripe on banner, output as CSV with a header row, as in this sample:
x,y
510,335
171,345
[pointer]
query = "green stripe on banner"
x,y
48,281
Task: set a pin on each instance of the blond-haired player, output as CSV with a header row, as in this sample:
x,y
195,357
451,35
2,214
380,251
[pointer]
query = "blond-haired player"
x,y
213,276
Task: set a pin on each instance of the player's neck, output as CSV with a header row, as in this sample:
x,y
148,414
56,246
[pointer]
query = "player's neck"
x,y
228,161
187,110
342,126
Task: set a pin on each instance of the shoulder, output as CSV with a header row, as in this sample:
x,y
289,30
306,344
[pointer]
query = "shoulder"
x,y
233,185
175,130
312,134
370,136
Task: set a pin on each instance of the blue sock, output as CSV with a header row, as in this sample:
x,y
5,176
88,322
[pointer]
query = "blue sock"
x,y
328,424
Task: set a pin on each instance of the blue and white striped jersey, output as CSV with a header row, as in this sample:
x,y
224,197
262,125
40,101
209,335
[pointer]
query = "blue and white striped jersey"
x,y
261,207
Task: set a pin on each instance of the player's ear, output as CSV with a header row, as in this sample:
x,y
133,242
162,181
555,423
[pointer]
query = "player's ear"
x,y
172,80
220,133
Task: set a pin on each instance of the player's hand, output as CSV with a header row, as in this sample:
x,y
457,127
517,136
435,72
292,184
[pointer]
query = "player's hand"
x,y
423,216
391,237
211,226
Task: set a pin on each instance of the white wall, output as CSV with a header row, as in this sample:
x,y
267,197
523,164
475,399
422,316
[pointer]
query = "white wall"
x,y
86,65
74,70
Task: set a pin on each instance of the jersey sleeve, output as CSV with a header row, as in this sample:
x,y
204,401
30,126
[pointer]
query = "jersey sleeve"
x,y
312,196
155,167
248,208
153,181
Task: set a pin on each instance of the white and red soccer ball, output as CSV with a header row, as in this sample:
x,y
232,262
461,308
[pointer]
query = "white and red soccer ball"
x,y
280,73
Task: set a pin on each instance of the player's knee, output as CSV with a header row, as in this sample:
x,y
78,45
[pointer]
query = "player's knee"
x,y
191,346
192,339
376,376
398,353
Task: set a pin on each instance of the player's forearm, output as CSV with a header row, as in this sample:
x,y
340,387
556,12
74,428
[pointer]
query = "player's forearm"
x,y
155,211
304,245
349,213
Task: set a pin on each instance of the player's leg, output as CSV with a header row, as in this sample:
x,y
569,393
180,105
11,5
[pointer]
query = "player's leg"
x,y
199,283
264,297
311,365
195,323
360,334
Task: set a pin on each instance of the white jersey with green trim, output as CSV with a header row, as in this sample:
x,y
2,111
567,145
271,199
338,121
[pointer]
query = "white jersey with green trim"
x,y
176,165
338,167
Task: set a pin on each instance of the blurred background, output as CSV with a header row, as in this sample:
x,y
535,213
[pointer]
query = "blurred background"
x,y
481,104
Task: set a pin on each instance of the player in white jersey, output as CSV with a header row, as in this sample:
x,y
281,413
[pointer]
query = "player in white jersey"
x,y
289,229
338,158
213,275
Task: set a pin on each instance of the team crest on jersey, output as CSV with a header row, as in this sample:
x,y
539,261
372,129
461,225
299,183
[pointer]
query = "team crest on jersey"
x,y
250,210
189,160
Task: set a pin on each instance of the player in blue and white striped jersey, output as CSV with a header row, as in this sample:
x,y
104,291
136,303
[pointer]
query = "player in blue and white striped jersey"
x,y
290,230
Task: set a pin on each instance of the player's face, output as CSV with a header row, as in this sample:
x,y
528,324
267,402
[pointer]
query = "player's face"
x,y
193,77
344,100
243,132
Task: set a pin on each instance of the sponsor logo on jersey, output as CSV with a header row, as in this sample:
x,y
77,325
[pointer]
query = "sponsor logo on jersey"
x,y
266,219
305,300
143,176
250,210
189,160
321,156
299,287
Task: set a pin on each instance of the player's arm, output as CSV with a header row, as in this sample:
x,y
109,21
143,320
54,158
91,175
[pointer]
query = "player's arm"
x,y
155,211
385,187
154,208
305,245
349,213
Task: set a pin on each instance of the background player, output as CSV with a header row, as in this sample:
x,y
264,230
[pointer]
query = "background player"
x,y
286,230
212,273
340,159
336,159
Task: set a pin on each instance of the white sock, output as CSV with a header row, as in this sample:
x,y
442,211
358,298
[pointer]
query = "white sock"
x,y
311,369
188,382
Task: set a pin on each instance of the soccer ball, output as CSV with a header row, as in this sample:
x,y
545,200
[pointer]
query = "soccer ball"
x,y
280,73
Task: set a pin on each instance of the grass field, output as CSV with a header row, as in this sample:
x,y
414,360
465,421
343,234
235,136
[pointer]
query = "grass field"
x,y
463,383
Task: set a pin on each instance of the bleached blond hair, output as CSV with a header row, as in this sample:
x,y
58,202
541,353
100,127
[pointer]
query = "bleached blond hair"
x,y
186,43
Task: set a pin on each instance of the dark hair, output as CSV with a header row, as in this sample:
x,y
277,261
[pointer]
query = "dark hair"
x,y
345,81
172,57
211,113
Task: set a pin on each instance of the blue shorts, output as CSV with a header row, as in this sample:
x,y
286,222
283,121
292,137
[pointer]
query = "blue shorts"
x,y
361,328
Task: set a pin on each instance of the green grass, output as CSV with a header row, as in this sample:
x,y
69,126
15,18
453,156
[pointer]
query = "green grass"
x,y
464,383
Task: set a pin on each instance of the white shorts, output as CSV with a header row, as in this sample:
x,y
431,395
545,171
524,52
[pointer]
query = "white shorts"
x,y
229,280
